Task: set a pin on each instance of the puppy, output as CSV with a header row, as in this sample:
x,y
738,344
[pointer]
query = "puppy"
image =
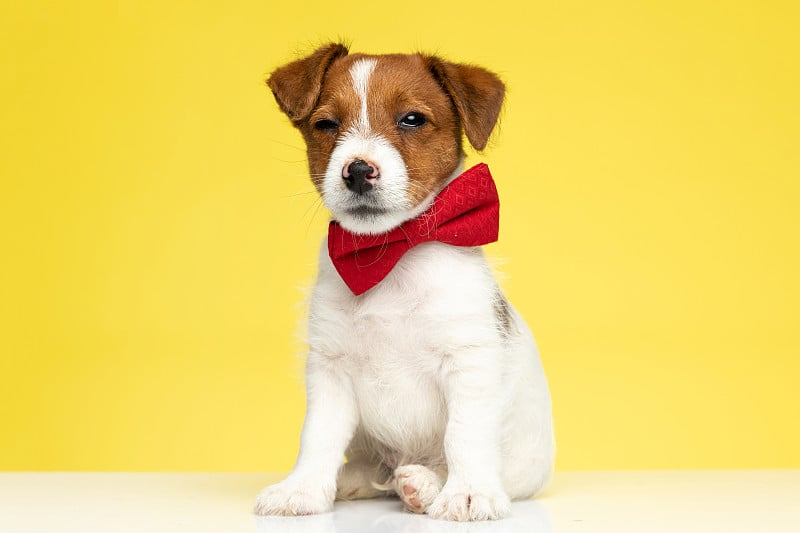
x,y
419,371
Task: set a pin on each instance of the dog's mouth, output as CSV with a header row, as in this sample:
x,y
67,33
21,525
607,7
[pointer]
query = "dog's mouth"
x,y
371,205
366,211
371,215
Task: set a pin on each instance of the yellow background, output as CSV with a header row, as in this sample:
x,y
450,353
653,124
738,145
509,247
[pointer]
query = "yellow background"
x,y
157,224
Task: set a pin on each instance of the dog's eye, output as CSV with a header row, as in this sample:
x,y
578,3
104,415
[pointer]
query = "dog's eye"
x,y
326,125
412,120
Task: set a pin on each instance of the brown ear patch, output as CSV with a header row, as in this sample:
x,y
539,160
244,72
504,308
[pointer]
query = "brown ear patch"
x,y
296,86
476,93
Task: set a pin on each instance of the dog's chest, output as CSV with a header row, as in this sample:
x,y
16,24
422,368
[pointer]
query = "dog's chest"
x,y
392,361
391,341
436,296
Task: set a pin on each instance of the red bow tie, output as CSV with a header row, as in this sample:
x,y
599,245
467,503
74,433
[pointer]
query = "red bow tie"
x,y
465,213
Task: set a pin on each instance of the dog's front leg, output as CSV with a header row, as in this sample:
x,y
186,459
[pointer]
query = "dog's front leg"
x,y
330,422
471,381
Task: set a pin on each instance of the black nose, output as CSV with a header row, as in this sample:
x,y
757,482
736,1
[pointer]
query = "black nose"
x,y
358,176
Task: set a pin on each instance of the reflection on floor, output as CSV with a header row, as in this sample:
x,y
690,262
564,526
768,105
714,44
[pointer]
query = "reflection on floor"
x,y
729,501
386,516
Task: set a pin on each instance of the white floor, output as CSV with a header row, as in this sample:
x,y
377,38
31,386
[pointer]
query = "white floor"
x,y
618,502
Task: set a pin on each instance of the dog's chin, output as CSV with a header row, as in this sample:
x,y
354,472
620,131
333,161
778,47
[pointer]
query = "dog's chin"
x,y
371,219
368,220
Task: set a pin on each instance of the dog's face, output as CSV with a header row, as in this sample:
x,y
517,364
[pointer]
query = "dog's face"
x,y
383,133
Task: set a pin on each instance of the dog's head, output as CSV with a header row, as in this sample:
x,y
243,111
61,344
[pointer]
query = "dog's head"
x,y
384,132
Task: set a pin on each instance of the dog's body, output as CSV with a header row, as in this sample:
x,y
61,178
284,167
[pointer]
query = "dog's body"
x,y
430,379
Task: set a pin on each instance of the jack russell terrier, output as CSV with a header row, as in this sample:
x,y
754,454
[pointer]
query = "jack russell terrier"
x,y
419,371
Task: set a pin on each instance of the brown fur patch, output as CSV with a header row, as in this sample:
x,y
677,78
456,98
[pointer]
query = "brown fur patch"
x,y
401,85
502,313
452,97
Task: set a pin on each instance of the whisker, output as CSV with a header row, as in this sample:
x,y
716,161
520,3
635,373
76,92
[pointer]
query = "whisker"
x,y
314,205
303,193
289,161
313,215
293,147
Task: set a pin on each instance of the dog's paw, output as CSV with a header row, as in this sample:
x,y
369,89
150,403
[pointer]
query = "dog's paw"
x,y
288,499
417,486
470,505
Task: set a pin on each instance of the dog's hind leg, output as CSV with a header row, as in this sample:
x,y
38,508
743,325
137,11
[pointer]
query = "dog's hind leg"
x,y
361,477
418,486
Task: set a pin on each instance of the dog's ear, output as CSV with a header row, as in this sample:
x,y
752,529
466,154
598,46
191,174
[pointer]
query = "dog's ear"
x,y
476,93
296,86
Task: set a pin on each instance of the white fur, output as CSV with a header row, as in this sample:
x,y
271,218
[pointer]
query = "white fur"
x,y
417,370
418,486
360,72
423,369
389,194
